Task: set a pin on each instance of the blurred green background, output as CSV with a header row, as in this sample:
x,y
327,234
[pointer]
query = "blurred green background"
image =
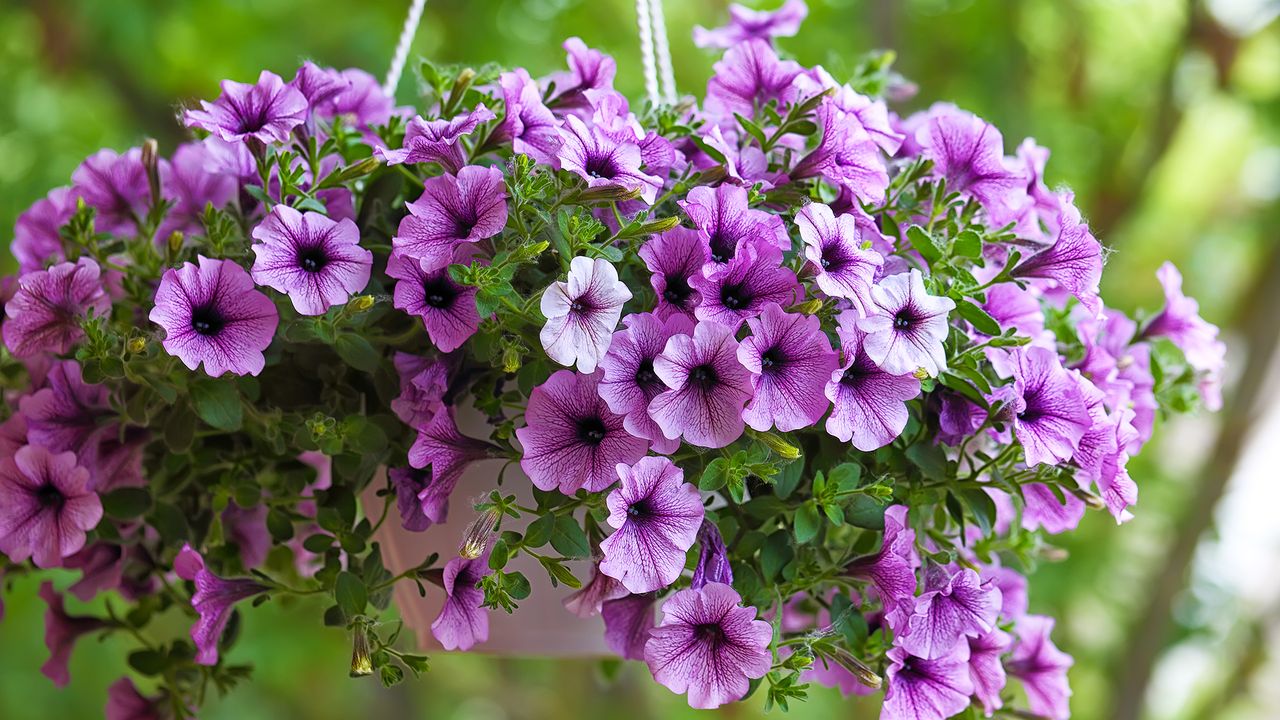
x,y
1163,115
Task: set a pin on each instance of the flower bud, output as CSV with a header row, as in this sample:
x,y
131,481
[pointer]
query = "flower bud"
x,y
362,303
137,344
175,241
151,164
361,659
777,444
478,534
511,358
921,374
604,193
808,307
858,669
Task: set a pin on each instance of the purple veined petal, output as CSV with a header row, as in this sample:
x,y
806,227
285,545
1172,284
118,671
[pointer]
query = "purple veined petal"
x,y
707,387
462,622
655,516
905,327
582,313
790,360
317,262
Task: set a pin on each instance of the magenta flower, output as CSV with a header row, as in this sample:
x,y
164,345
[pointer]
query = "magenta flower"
x,y
968,152
68,414
437,141
893,568
906,326
448,310
46,507
589,600
408,483
212,314
1073,263
747,24
751,281
101,566
191,186
61,631
604,161
656,516
870,405
246,529
707,387
790,359
462,621
36,237
213,601
709,646
1049,409
116,187
628,623
952,607
725,225
532,129
571,438
266,111
423,384
124,702
674,258
847,156
452,210
1180,321
448,453
749,75
922,689
985,669
836,247
582,313
1042,509
588,70
630,383
319,85
361,102
317,262
1041,667
45,313
713,558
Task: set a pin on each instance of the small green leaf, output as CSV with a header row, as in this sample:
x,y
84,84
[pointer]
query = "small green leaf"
x,y
982,507
560,574
978,318
924,243
126,503
715,475
350,593
775,554
568,539
217,402
517,585
357,352
863,511
539,531
807,522
968,244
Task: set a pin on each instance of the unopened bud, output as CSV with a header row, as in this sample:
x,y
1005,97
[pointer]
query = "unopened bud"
x,y
137,344
780,446
606,192
860,671
653,227
362,303
361,658
478,534
151,164
511,358
176,238
921,374
808,307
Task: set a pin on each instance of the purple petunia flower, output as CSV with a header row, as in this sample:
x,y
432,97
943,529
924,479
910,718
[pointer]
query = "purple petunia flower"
x,y
212,314
213,601
319,85
452,210
46,506
1073,263
751,281
985,669
246,529
749,75
447,452
968,152
448,310
362,102
191,187
628,623
847,156
790,359
124,702
630,383
707,387
1041,667
747,24
61,631
836,248
726,225
709,646
674,258
571,438
590,598
893,568
266,111
423,384
463,621
409,483
589,70
116,187
952,607
44,315
437,141
869,404
68,414
1180,321
36,236
532,129
921,689
1050,412
102,568
906,326
582,313
604,161
713,558
655,516
317,262
1042,509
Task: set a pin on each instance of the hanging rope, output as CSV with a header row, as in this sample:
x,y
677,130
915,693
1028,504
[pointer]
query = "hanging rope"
x,y
646,51
663,49
402,48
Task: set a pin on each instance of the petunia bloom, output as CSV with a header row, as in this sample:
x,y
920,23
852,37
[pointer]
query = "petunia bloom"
x,y
532,128
1041,667
747,24
462,621
213,601
36,237
869,404
437,141
655,515
44,315
589,69
790,359
628,622
954,605
212,314
452,210
191,187
448,310
707,387
713,558
124,702
266,111
116,186
571,438
906,326
1073,263
968,153
751,281
603,161
68,414
709,646
921,689
847,156
630,383
46,508
589,600
1049,410
836,248
1180,321
726,224
673,259
448,453
317,262
319,85
749,75
61,631
892,569
986,671
582,313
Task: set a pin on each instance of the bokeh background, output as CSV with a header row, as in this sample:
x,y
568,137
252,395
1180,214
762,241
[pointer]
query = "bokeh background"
x,y
1163,115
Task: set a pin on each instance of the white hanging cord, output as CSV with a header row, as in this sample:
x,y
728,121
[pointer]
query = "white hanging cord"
x,y
402,48
646,51
663,52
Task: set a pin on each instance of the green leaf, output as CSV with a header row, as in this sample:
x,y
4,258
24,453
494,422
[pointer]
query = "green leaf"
x,y
499,555
962,387
279,525
559,574
148,662
978,318
924,243
863,511
807,522
982,507
126,503
318,543
350,593
539,531
357,352
968,244
217,402
568,539
715,475
517,585
846,476
788,479
775,554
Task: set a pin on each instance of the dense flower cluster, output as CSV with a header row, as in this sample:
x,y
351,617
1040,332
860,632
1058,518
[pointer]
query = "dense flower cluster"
x,y
809,380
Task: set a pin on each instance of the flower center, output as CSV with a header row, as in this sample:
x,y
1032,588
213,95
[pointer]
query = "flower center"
x,y
313,259
710,633
645,376
721,248
734,297
206,320
832,259
852,376
703,377
601,167
678,290
591,430
638,509
438,293
580,306
49,496
902,320
463,226
772,359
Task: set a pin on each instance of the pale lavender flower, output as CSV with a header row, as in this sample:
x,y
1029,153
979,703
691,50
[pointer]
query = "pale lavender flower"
x,y
317,262
1041,667
582,313
448,310
954,605
707,387
603,161
747,24
674,258
630,383
838,248
45,313
266,111
753,279
116,187
453,210
437,141
1180,321
463,621
790,359
906,326
921,689
655,515
869,404
36,237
